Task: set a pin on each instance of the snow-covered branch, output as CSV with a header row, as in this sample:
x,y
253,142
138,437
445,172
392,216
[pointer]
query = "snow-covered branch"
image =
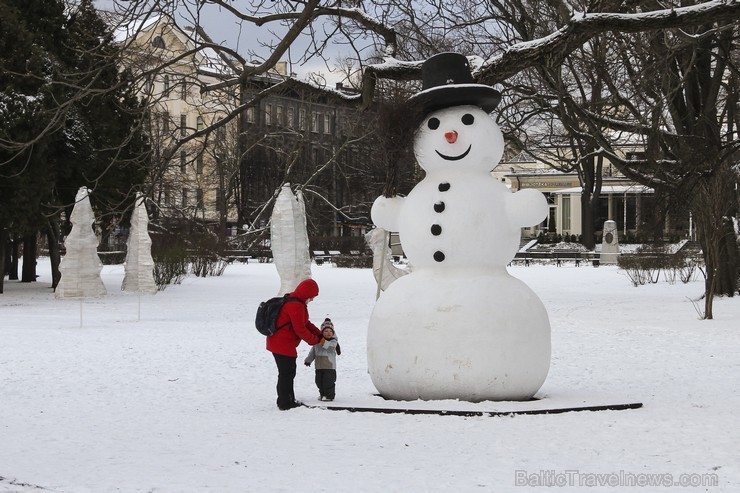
x,y
553,48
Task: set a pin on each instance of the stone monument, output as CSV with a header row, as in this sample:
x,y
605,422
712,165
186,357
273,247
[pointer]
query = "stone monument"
x,y
609,244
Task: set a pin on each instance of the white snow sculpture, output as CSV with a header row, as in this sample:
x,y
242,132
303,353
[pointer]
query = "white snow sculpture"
x,y
139,267
383,269
459,326
81,266
289,239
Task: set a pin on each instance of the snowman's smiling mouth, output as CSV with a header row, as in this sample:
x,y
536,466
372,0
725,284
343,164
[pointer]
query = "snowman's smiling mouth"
x,y
454,158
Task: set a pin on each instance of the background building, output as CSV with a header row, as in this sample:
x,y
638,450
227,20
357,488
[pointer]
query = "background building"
x,y
632,205
191,182
290,131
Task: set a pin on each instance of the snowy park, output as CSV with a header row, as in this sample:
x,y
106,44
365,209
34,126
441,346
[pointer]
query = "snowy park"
x,y
175,392
215,172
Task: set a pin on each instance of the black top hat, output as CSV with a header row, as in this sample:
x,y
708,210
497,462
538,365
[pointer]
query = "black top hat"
x,y
447,81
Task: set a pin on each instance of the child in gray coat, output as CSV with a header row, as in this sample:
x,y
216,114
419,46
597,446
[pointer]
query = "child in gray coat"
x,y
325,356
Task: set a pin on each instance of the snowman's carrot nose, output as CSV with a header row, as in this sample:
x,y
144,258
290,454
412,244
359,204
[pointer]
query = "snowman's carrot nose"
x,y
451,137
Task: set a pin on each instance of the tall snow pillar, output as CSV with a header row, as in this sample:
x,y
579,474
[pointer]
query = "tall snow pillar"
x,y
81,266
139,267
289,239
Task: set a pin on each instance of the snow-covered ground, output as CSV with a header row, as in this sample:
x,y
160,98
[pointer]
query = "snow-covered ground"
x,y
183,400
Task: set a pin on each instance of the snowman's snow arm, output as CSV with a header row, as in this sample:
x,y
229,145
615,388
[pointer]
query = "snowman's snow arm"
x,y
385,212
526,207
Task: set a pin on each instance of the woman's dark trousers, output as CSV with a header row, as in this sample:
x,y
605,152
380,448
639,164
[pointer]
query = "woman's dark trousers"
x,y
286,374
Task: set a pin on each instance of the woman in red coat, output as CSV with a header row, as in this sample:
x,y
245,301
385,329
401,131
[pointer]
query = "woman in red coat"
x,y
296,326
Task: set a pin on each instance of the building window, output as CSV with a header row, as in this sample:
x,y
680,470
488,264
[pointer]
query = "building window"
x,y
183,162
566,214
199,198
158,42
291,116
184,90
314,122
268,114
148,86
250,114
327,123
166,85
183,125
302,119
184,197
165,122
201,123
199,168
280,116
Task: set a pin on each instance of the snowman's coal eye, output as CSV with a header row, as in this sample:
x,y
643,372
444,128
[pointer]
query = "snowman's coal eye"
x,y
433,123
468,119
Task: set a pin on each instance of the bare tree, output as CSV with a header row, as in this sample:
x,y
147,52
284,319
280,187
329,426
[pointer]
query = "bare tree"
x,y
390,39
670,91
397,30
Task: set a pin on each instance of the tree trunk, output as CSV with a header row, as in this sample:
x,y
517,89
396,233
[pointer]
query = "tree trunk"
x,y
721,258
710,258
714,207
3,242
14,249
727,282
53,235
588,239
241,152
28,273
221,206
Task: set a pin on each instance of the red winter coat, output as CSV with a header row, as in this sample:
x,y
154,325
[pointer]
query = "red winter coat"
x,y
286,340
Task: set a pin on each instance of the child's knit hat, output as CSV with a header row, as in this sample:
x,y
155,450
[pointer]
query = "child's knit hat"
x,y
327,324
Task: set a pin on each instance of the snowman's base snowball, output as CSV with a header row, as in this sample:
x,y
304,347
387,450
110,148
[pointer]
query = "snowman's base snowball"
x,y
459,334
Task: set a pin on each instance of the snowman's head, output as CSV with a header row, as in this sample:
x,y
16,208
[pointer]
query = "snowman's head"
x,y
460,137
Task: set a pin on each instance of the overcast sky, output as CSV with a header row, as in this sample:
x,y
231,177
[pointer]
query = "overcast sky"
x,y
224,28
248,40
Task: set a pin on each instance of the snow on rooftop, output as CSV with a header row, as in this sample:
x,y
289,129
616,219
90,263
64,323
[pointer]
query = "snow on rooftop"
x,y
208,59
610,189
124,31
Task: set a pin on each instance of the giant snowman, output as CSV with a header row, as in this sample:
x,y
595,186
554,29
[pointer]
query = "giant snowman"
x,y
458,326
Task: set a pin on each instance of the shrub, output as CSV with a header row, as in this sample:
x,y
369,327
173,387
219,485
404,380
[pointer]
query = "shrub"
x,y
687,272
646,265
204,265
112,258
170,265
629,238
641,269
355,261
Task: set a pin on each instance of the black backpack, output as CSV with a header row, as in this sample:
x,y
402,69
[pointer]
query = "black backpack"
x,y
267,314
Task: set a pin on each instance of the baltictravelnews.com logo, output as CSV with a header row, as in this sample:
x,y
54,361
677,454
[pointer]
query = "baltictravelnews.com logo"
x,y
553,478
